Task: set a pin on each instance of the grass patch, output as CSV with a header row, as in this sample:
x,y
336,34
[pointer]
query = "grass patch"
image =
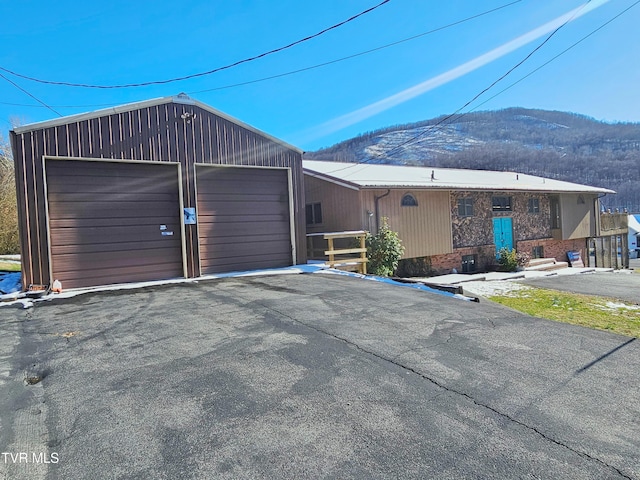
x,y
586,310
9,266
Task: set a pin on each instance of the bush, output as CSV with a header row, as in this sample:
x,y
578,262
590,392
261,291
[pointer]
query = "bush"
x,y
384,250
9,239
415,267
510,260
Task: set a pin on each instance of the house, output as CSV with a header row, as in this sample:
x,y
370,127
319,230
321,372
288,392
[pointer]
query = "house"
x,y
164,188
453,218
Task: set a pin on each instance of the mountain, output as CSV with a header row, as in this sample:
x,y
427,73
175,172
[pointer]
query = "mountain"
x,y
561,145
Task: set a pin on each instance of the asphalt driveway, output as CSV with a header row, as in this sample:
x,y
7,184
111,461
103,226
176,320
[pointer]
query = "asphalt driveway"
x,y
311,376
623,286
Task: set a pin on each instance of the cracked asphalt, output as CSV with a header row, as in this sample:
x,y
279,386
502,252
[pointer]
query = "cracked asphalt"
x,y
311,376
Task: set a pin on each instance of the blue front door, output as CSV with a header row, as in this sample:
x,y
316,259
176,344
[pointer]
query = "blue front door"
x,y
503,233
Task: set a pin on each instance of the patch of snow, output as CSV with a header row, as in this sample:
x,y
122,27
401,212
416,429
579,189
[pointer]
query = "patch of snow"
x,y
12,298
488,289
620,306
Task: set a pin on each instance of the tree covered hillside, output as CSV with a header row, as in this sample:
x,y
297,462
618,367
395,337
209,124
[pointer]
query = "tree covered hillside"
x,y
552,144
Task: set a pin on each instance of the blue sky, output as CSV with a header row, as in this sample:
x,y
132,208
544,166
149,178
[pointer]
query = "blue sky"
x,y
122,41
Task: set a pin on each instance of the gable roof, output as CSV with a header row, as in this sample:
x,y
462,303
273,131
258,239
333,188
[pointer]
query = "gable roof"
x,y
182,99
359,175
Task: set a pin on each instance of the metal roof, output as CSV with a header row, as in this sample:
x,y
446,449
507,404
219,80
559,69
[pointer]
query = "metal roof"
x,y
182,99
364,175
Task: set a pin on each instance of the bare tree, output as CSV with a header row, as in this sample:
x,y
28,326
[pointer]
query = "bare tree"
x,y
9,239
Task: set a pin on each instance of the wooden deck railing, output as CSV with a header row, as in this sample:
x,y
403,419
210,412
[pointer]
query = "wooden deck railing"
x,y
613,223
337,256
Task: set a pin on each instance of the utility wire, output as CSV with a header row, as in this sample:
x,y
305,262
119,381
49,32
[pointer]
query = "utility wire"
x,y
554,58
382,47
209,72
32,96
319,65
502,77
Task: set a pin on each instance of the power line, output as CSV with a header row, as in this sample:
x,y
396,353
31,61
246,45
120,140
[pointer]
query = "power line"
x,y
319,65
292,72
209,72
555,57
32,96
502,77
432,128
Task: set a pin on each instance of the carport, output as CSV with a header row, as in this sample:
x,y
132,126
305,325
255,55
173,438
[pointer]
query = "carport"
x,y
153,190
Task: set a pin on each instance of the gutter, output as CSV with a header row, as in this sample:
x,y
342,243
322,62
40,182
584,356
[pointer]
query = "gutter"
x,y
377,209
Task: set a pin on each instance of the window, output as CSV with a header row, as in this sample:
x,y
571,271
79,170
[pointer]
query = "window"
x,y
581,200
469,263
409,201
314,213
555,213
501,204
534,205
465,207
537,252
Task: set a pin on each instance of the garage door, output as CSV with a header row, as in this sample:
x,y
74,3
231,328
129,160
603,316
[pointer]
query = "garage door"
x,y
113,222
243,218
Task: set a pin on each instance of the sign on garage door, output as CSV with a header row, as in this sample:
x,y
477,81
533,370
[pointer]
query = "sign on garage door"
x,y
113,222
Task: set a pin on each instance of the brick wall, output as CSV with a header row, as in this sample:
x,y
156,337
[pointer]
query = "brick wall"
x,y
477,230
555,248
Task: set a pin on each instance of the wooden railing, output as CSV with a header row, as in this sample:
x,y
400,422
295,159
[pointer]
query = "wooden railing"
x,y
613,223
337,256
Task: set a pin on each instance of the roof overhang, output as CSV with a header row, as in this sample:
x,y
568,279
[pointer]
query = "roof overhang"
x,y
181,99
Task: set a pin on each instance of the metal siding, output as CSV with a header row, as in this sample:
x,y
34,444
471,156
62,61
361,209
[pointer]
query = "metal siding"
x,y
243,215
341,207
425,230
154,133
109,230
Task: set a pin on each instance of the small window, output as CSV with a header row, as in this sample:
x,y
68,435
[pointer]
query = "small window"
x,y
409,201
534,205
581,200
313,213
537,252
469,263
501,204
465,207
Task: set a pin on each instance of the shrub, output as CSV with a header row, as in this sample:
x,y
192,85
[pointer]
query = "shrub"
x,y
9,240
510,260
384,250
415,267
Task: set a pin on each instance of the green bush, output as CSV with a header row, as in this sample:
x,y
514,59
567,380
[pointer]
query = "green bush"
x,y
384,250
415,267
510,260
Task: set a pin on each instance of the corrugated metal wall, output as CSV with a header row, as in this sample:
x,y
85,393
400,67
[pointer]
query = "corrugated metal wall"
x,y
167,132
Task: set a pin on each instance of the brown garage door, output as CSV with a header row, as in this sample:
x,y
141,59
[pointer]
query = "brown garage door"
x,y
243,218
113,222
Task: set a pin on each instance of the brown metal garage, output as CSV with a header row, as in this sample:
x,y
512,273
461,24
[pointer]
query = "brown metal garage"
x,y
244,218
102,196
113,222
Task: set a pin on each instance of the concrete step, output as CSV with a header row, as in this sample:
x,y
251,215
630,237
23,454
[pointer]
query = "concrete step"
x,y
534,262
546,266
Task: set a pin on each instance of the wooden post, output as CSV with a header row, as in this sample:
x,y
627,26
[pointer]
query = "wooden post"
x,y
363,255
332,257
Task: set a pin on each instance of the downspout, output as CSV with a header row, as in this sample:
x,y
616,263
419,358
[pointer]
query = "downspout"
x,y
377,209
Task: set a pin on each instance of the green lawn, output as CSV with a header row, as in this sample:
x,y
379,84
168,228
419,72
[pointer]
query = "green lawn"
x,y
589,311
9,266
